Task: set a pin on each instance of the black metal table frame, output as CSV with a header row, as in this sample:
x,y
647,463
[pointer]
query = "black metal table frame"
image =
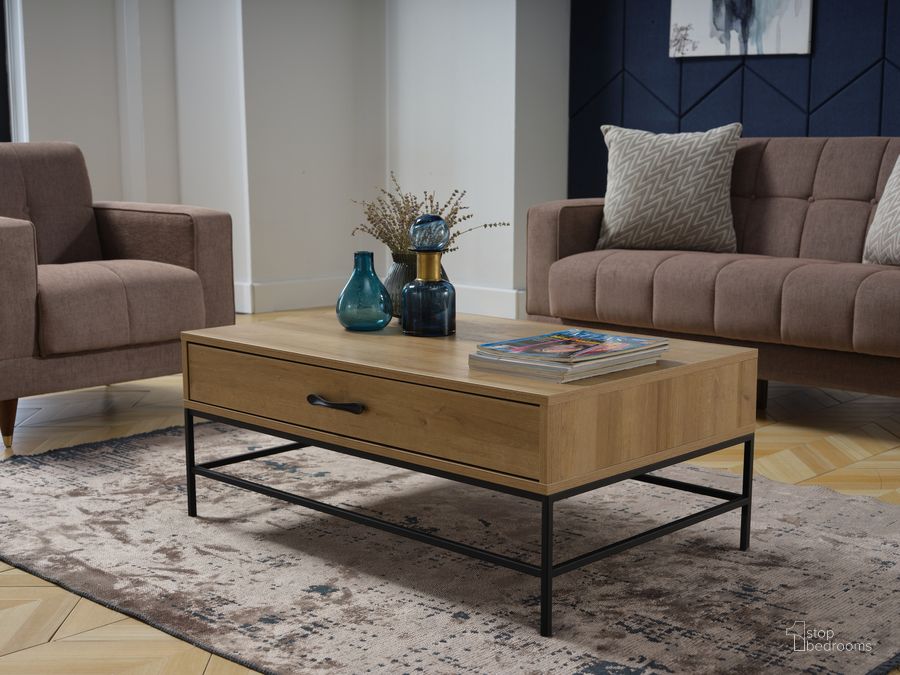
x,y
547,570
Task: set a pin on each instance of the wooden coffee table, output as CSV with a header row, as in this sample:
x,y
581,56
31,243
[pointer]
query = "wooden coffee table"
x,y
414,403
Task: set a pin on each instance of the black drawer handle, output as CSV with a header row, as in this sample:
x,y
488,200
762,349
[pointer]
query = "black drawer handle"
x,y
355,408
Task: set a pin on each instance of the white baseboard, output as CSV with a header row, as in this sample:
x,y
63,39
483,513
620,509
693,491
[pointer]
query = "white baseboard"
x,y
275,296
243,297
508,303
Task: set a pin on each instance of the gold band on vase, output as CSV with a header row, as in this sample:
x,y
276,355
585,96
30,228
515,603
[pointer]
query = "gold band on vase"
x,y
428,265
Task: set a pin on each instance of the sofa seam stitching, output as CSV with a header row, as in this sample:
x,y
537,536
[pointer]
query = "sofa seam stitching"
x,y
613,254
125,290
753,195
781,298
855,300
811,192
678,254
874,207
716,291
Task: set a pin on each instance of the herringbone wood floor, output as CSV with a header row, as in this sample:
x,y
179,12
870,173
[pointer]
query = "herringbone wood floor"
x,y
849,442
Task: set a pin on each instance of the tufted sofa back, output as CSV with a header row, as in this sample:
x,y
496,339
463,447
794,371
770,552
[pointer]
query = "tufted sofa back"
x,y
809,197
47,183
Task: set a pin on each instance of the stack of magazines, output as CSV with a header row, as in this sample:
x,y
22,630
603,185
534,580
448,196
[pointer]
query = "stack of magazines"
x,y
568,355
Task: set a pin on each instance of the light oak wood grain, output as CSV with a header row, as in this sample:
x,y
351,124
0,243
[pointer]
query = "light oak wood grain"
x,y
376,449
421,397
13,577
483,431
123,647
314,337
30,615
86,616
219,666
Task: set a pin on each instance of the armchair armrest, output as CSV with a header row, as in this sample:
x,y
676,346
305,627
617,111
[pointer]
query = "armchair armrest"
x,y
188,236
18,279
557,230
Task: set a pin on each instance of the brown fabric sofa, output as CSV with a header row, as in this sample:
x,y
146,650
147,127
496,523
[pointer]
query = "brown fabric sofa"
x,y
97,293
796,289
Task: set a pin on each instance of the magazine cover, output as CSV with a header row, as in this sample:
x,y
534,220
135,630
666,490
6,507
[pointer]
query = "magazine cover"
x,y
569,345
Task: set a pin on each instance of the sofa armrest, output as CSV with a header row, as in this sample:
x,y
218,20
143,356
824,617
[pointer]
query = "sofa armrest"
x,y
557,230
18,279
188,236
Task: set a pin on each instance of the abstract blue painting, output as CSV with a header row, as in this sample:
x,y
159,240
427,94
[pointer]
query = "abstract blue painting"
x,y
739,27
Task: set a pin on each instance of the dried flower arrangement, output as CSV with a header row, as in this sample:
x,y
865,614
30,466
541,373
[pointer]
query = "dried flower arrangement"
x,y
390,215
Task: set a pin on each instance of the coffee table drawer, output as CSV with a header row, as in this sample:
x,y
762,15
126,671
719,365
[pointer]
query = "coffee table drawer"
x,y
478,430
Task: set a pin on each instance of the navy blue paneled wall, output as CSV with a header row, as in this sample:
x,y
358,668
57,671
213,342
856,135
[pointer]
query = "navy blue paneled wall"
x,y
620,73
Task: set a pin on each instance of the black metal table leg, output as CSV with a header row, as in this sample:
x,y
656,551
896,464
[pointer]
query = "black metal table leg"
x,y
189,462
747,491
547,570
547,567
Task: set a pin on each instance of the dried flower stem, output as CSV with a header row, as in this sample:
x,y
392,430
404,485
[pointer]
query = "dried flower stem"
x,y
390,215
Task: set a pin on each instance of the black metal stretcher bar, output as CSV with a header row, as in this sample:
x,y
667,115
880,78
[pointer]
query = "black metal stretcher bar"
x,y
547,570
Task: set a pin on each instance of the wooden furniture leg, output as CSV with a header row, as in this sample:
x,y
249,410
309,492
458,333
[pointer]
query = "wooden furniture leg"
x,y
8,419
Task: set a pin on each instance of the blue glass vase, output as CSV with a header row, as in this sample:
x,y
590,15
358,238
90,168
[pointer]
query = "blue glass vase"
x,y
365,303
429,308
428,303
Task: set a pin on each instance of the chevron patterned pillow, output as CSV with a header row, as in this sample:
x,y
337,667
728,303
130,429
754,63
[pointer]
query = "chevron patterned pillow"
x,y
883,238
669,191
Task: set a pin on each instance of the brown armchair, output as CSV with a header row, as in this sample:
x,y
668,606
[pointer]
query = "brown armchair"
x,y
97,293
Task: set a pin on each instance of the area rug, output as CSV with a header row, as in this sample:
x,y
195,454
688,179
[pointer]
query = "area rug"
x,y
288,590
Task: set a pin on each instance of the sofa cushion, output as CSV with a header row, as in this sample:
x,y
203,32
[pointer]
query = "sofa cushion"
x,y
883,238
876,320
800,302
49,186
669,191
809,197
89,306
684,295
818,303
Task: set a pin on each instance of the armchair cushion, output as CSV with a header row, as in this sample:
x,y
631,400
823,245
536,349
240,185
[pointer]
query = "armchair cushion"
x,y
188,236
47,184
90,306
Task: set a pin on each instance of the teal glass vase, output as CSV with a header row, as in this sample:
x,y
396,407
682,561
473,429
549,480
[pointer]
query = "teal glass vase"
x,y
365,303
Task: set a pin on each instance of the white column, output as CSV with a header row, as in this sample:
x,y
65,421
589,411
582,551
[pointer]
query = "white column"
x,y
212,148
478,100
542,113
315,80
131,101
15,59
70,65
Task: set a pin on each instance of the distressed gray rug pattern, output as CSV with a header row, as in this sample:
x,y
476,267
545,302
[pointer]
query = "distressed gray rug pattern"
x,y
293,591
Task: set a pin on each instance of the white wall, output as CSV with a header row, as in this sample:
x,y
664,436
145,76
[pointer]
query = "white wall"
x,y
451,124
212,144
542,113
314,74
70,65
157,23
100,73
283,111
145,38
485,110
